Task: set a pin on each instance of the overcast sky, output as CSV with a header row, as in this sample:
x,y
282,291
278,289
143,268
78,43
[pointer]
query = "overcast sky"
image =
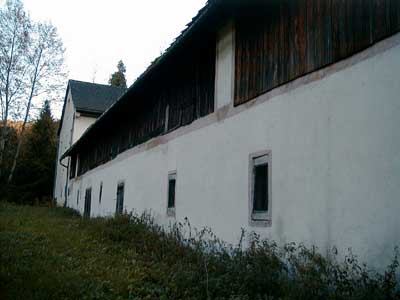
x,y
98,33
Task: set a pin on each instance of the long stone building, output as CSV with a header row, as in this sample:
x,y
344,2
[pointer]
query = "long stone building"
x,y
279,117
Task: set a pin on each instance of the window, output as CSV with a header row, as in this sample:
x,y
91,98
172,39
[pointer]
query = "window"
x,y
88,203
72,169
171,194
101,191
120,199
260,197
77,198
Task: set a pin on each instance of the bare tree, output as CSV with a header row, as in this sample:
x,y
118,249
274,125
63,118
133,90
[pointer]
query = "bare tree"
x,y
15,29
45,64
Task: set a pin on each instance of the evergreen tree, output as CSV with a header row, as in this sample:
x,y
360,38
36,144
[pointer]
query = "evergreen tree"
x,y
35,174
118,78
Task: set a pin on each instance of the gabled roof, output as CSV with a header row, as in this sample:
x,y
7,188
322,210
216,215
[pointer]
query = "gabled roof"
x,y
92,97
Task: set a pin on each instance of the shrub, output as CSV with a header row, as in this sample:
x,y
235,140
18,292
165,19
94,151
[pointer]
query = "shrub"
x,y
200,266
51,253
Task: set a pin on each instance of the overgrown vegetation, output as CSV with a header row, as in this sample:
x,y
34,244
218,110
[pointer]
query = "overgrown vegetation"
x,y
54,254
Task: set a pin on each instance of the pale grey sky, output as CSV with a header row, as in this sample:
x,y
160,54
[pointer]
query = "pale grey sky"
x,y
98,33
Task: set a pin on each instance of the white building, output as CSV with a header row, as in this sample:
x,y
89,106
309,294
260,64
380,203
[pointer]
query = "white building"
x,y
280,118
84,103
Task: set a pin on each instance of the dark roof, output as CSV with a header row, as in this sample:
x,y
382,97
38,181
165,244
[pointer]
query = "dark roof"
x,y
93,98
211,10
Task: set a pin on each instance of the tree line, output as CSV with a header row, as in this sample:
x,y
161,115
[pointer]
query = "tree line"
x,y
34,174
31,69
32,75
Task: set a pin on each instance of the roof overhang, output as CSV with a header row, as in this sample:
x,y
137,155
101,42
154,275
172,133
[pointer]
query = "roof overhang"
x,y
211,11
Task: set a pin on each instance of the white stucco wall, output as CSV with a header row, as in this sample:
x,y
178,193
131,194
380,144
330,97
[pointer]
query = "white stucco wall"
x,y
81,124
335,162
64,144
73,126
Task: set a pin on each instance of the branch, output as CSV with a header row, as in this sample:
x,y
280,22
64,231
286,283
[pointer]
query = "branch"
x,y
8,72
26,116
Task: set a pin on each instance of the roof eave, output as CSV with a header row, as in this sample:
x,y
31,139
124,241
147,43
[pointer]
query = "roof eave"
x,y
198,19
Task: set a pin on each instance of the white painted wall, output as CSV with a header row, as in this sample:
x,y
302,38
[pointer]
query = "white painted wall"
x,y
73,126
81,124
65,142
335,163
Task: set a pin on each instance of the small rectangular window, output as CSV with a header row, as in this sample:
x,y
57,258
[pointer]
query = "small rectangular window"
x,y
171,194
88,203
77,198
260,200
101,192
120,199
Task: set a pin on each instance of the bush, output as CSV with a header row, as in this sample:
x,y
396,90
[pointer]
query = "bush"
x,y
54,254
200,266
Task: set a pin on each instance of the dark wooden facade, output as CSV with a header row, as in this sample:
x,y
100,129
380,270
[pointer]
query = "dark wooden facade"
x,y
179,93
278,41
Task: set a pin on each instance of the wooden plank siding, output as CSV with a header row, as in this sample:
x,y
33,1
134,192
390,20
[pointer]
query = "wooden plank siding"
x,y
182,91
279,41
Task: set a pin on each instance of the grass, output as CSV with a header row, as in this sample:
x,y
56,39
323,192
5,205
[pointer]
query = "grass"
x,y
52,253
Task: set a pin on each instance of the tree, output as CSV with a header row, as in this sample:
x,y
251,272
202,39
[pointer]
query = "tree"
x,y
118,78
45,65
15,27
34,175
31,66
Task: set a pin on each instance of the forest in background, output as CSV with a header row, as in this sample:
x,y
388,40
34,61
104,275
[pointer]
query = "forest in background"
x,y
34,174
32,76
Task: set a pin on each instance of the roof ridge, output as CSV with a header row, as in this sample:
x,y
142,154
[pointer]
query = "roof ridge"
x,y
92,83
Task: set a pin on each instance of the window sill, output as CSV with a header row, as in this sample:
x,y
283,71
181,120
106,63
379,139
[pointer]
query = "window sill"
x,y
260,219
171,212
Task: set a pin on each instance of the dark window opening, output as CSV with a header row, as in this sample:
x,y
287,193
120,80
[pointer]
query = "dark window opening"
x,y
101,192
260,212
88,203
120,199
171,194
260,197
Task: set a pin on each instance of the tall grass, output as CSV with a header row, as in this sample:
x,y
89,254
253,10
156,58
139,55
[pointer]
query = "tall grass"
x,y
54,254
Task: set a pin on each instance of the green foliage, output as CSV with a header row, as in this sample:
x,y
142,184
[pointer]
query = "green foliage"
x,y
54,254
31,64
35,171
11,141
118,78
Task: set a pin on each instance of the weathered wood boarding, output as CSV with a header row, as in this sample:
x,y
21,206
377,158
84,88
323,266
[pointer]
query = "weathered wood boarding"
x,y
288,39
